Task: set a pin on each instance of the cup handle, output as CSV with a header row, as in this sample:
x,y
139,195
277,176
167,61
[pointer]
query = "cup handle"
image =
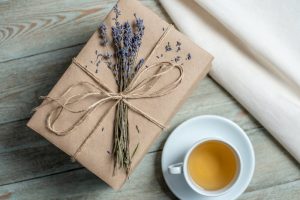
x,y
175,168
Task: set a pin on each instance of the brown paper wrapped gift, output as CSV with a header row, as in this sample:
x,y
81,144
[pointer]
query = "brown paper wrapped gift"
x,y
95,139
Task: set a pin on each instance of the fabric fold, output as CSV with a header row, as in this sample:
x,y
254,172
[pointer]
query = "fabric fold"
x,y
257,77
269,28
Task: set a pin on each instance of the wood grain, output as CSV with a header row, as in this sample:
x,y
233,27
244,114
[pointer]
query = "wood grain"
x,y
278,192
42,26
24,80
147,181
38,38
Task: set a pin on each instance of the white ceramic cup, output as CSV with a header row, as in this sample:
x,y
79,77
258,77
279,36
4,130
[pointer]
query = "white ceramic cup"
x,y
181,168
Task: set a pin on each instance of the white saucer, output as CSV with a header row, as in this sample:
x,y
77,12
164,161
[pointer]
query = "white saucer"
x,y
195,129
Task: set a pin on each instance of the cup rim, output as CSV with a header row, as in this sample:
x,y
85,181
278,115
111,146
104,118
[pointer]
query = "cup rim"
x,y
201,190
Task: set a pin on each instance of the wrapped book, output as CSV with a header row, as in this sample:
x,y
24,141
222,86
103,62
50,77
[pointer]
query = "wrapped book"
x,y
137,65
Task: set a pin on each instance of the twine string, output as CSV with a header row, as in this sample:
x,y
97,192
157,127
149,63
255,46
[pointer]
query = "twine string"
x,y
138,88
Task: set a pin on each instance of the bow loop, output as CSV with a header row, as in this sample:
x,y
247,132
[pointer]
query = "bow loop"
x,y
144,84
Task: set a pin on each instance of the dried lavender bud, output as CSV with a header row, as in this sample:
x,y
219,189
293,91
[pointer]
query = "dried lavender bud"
x,y
106,56
178,43
157,57
117,35
127,34
139,65
168,47
139,25
138,35
103,34
189,56
178,49
97,64
116,11
137,129
177,58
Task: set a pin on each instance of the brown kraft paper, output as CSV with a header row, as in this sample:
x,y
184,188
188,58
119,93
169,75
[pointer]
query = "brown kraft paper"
x,y
95,154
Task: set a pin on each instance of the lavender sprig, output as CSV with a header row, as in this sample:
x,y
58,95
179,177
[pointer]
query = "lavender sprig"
x,y
138,35
168,47
103,34
126,42
116,11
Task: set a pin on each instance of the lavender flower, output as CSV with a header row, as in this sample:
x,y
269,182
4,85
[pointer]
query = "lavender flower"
x,y
127,32
117,35
116,11
189,56
102,34
126,42
106,56
168,47
138,35
139,25
139,65
177,58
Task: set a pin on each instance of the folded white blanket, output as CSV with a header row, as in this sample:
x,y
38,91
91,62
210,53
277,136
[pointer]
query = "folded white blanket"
x,y
256,45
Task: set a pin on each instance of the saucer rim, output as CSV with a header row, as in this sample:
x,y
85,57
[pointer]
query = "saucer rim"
x,y
236,126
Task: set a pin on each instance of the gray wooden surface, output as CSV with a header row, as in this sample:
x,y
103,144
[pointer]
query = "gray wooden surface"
x,y
38,38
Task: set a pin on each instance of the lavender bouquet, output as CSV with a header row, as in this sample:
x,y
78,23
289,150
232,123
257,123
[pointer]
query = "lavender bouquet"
x,y
126,41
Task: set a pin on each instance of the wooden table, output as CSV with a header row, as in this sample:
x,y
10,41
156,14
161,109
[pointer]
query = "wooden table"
x,y
38,38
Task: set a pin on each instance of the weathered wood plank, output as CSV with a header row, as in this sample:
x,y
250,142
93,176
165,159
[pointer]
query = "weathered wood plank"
x,y
24,80
146,183
34,26
54,31
273,164
288,191
39,158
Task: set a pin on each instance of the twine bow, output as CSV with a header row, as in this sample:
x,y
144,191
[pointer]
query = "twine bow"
x,y
139,88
